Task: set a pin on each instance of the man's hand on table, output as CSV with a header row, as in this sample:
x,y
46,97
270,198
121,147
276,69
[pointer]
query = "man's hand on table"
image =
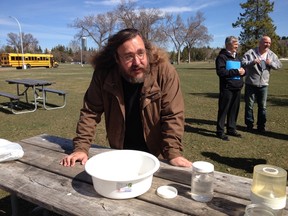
x,y
180,162
71,159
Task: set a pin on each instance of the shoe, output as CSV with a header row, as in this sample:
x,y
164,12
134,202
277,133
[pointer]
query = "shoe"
x,y
235,134
249,128
223,137
261,129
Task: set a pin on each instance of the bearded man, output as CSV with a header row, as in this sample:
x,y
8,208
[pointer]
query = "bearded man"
x,y
138,91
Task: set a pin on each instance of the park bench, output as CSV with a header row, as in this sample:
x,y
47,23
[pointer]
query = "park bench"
x,y
13,98
53,91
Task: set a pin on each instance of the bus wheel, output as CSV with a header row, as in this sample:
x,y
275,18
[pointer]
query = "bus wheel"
x,y
28,66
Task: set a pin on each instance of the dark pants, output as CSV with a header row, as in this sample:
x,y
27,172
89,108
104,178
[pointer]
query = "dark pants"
x,y
258,94
228,106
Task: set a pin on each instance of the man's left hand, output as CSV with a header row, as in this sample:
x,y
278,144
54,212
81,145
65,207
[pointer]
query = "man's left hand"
x,y
180,162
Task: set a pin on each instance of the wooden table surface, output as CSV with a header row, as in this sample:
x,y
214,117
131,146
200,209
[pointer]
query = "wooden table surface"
x,y
38,178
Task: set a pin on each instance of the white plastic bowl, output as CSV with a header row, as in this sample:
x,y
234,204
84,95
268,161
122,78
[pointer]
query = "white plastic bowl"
x,y
122,174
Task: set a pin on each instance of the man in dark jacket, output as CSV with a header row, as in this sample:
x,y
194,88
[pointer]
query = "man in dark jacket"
x,y
230,72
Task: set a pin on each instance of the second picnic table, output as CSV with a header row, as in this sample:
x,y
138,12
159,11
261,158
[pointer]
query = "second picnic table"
x,y
39,92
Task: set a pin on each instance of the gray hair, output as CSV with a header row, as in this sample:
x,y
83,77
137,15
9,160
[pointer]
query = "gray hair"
x,y
230,40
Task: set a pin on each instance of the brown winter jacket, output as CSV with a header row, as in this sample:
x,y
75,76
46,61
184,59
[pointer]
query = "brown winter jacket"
x,y
162,111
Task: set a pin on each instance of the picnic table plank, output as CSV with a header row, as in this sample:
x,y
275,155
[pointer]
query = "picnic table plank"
x,y
68,196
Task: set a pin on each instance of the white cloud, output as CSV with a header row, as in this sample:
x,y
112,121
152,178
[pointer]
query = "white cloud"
x,y
176,9
191,8
105,2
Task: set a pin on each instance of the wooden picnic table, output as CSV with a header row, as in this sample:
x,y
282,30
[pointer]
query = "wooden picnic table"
x,y
39,178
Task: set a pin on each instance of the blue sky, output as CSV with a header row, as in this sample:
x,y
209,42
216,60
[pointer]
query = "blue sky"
x,y
48,20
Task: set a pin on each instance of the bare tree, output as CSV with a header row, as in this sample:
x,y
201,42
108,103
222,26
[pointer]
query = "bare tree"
x,y
176,31
197,33
98,27
30,44
74,45
126,14
14,41
156,26
147,21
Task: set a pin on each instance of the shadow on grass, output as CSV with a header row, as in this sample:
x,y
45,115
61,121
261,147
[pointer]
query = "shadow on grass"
x,y
199,130
276,100
5,107
198,68
24,207
246,164
271,134
207,94
205,132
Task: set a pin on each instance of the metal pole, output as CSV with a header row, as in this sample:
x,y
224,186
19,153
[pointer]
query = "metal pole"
x,y
82,46
21,42
81,54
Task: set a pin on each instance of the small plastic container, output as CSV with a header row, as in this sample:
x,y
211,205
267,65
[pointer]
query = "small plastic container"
x,y
202,181
259,210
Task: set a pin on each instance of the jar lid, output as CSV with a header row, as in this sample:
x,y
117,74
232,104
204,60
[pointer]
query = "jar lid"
x,y
167,192
270,171
203,167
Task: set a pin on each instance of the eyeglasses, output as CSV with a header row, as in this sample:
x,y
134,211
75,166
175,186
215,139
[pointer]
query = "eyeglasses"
x,y
131,56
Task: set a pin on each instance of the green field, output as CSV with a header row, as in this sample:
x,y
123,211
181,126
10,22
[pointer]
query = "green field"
x,y
199,83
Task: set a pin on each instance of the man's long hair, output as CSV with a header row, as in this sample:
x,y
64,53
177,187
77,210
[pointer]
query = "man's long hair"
x,y
105,59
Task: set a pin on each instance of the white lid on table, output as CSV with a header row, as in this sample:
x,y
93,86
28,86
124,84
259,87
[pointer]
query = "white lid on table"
x,y
167,192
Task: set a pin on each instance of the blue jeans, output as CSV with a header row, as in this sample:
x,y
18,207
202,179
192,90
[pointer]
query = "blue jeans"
x,y
258,94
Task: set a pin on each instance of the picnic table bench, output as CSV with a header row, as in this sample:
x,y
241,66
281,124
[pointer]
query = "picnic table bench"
x,y
13,98
9,95
54,91
39,178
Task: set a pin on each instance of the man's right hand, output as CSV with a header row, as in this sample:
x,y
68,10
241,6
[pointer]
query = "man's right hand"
x,y
71,159
257,61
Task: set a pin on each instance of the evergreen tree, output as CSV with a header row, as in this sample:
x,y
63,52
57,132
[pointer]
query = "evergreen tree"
x,y
255,23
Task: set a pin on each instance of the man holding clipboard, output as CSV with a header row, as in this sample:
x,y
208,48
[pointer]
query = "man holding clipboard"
x,y
230,73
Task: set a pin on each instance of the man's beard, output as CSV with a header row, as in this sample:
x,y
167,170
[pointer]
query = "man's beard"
x,y
135,79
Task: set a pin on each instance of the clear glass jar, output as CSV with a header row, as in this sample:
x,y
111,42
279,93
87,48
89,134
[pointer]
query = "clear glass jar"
x,y
259,210
269,186
202,181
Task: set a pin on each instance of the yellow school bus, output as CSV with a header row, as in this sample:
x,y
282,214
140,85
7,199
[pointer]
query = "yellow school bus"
x,y
30,60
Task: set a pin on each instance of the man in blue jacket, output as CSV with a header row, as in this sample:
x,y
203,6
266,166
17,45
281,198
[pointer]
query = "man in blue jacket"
x,y
230,72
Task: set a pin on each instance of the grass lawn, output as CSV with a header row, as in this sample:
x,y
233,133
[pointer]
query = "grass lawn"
x,y
199,84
